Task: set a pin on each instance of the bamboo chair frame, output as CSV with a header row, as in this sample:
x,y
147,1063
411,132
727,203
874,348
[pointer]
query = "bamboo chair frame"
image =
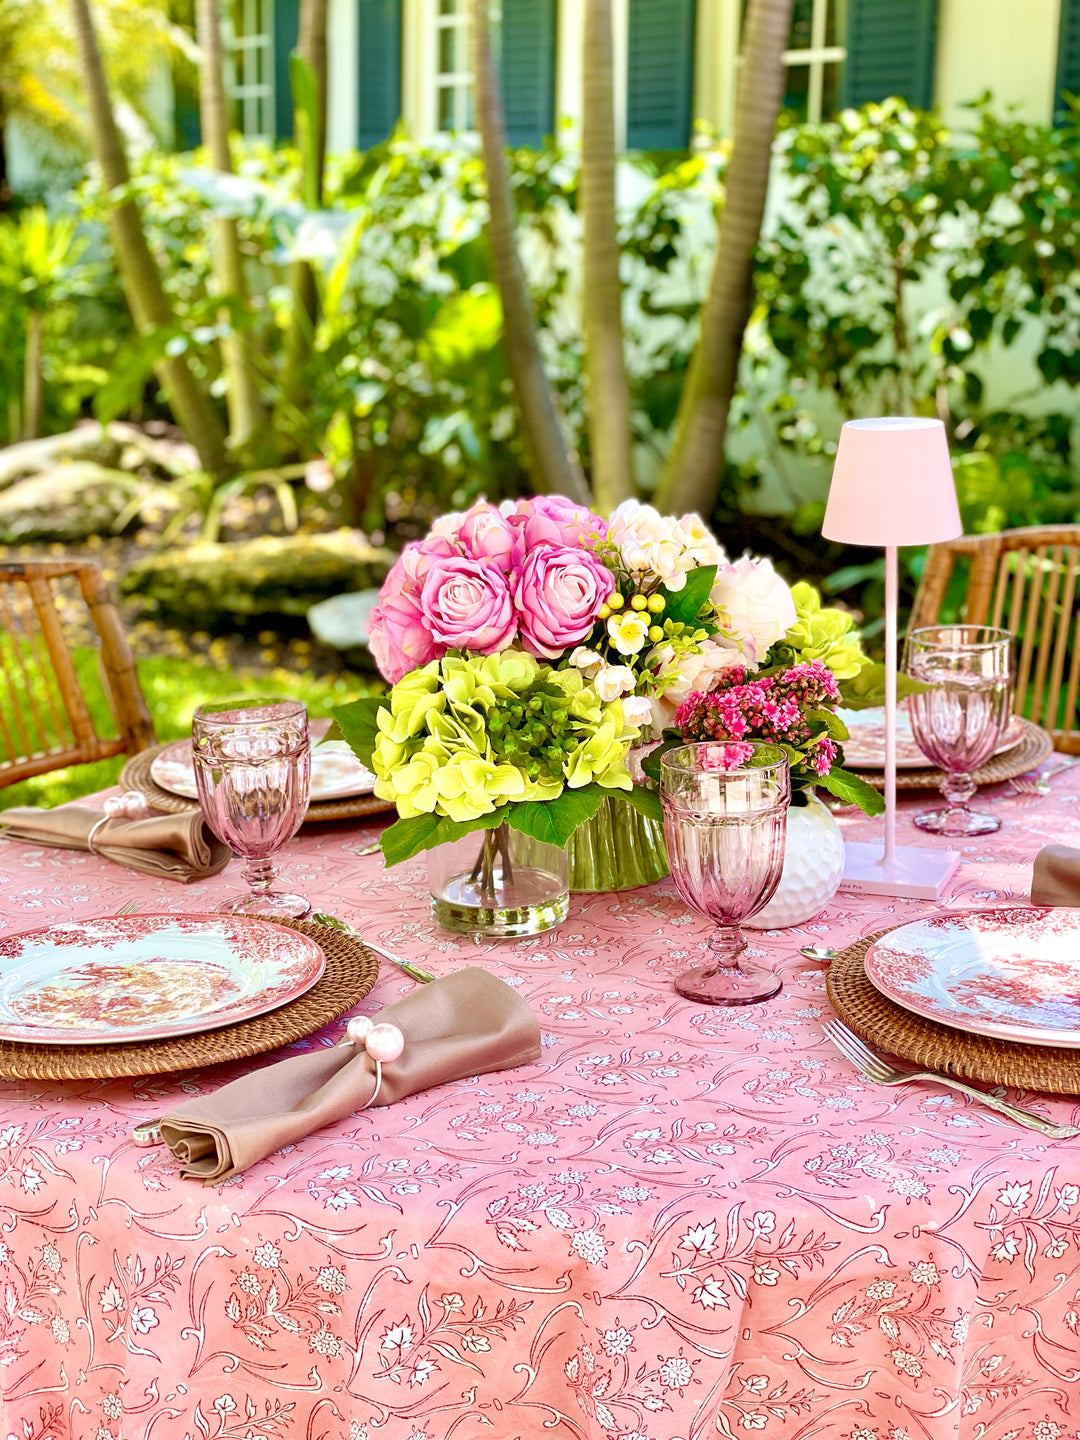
x,y
1027,581
45,723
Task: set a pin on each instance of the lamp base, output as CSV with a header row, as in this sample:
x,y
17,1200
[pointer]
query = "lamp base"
x,y
914,874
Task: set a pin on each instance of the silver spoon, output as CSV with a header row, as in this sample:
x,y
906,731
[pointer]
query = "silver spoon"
x,y
817,952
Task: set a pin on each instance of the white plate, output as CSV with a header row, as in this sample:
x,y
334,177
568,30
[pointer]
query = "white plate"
x,y
1013,974
336,773
866,748
148,977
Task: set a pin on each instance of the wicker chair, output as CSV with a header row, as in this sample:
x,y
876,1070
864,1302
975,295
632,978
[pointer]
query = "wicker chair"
x,y
45,720
1027,581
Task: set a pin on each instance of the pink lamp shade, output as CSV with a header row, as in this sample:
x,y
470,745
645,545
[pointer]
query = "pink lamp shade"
x,y
892,484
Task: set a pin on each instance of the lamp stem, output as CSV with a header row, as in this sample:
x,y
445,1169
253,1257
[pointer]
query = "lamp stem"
x,y
892,595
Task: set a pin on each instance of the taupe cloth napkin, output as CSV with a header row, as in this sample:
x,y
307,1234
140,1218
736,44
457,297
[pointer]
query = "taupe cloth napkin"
x,y
467,1023
1056,877
177,847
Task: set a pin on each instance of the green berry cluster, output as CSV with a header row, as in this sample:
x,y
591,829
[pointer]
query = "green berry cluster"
x,y
534,731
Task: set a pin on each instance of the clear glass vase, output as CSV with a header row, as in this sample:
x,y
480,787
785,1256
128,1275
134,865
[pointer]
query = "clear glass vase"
x,y
618,849
498,885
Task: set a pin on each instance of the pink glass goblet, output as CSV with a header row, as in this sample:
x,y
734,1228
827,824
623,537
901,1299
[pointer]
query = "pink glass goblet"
x,y
959,722
253,772
725,822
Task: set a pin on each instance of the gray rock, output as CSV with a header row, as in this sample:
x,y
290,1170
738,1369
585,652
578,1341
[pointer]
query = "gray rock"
x,y
31,457
342,621
67,503
273,575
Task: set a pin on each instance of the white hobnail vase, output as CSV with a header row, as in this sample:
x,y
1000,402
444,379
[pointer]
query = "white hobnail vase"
x,y
813,867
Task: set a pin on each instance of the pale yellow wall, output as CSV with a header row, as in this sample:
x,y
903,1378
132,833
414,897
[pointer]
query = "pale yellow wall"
x,y
715,49
1007,46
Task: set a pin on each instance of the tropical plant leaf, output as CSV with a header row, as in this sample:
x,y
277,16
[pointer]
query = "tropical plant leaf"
x,y
644,800
867,688
554,821
853,790
683,605
357,723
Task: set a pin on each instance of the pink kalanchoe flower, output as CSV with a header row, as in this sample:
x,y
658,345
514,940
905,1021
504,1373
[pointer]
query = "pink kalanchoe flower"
x,y
468,606
558,592
725,757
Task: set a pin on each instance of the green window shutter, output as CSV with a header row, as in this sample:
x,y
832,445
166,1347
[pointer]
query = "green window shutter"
x,y
528,70
890,45
379,70
1068,66
660,74
286,34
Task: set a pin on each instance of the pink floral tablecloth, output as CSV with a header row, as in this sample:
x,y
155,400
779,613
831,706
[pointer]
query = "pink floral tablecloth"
x,y
682,1222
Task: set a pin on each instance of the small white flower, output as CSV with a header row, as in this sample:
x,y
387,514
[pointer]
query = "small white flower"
x,y
637,710
591,1246
331,1280
614,681
925,1273
617,1342
249,1282
676,1371
268,1256
587,661
61,1333
628,632
325,1342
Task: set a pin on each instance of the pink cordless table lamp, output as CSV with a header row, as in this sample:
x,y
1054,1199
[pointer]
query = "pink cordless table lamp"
x,y
892,485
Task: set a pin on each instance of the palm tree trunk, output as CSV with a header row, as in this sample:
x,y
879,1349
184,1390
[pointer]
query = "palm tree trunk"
x,y
246,412
311,46
190,402
607,392
555,470
33,380
695,466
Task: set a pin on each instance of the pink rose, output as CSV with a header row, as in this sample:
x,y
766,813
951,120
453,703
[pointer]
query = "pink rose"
x,y
558,593
399,636
552,520
485,535
467,605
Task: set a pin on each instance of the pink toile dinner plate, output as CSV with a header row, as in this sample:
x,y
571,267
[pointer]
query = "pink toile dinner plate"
x,y
1012,974
865,750
148,977
336,773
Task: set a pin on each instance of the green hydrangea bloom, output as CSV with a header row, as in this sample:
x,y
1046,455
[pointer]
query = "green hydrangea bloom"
x,y
464,736
824,633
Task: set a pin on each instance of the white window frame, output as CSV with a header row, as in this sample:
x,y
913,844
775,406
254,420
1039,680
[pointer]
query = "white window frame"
x,y
816,56
253,98
457,81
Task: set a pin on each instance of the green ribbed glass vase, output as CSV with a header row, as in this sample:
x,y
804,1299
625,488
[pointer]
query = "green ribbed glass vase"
x,y
618,849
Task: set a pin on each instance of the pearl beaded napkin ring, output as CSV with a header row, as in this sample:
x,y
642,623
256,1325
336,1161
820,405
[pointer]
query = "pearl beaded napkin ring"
x,y
132,805
382,1041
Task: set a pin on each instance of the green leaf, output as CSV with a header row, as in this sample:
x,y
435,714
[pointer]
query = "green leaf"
x,y
853,790
357,723
684,604
644,800
867,688
834,726
406,838
651,763
305,90
554,821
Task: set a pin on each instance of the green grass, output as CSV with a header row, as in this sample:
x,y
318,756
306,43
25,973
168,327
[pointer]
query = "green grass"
x,y
174,688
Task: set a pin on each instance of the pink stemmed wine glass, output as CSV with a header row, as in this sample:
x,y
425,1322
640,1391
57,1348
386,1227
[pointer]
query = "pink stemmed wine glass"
x,y
959,722
725,822
253,772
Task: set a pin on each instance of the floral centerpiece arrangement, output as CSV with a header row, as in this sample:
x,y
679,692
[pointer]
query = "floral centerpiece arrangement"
x,y
532,646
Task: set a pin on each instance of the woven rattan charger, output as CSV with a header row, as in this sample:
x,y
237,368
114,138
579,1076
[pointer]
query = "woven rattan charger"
x,y
1032,750
136,776
938,1047
351,971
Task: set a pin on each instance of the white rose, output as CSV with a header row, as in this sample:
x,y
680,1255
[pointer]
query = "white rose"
x,y
613,681
756,602
587,661
695,672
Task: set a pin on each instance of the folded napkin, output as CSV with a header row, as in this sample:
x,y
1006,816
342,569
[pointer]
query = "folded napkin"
x,y
467,1023
1056,877
177,847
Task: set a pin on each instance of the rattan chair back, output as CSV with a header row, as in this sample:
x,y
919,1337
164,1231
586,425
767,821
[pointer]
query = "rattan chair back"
x,y
45,718
1027,581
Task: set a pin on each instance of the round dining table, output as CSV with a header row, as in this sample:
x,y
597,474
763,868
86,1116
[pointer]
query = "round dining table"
x,y
682,1222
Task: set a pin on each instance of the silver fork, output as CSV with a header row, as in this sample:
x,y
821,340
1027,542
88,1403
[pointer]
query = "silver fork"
x,y
1040,784
874,1068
